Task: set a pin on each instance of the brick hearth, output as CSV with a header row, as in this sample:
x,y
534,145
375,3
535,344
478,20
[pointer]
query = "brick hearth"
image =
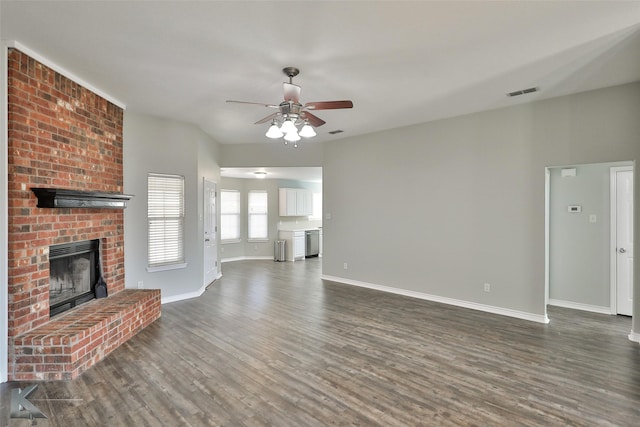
x,y
74,341
61,135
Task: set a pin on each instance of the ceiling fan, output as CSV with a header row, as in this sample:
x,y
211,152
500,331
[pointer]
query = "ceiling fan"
x,y
291,113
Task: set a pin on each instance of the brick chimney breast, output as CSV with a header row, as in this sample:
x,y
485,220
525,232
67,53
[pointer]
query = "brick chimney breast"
x,y
61,135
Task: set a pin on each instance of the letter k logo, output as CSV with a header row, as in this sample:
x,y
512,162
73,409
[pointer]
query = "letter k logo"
x,y
21,407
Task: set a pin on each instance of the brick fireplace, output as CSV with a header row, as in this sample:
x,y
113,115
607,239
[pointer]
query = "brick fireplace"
x,y
61,135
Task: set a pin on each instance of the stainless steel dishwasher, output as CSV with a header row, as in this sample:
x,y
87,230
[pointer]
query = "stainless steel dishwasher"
x,y
312,246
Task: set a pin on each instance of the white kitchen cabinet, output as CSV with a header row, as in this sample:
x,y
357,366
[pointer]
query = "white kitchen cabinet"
x,y
295,246
295,202
298,244
304,201
288,202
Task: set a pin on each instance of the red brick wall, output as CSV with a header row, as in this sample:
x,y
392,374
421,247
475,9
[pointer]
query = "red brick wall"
x,y
61,135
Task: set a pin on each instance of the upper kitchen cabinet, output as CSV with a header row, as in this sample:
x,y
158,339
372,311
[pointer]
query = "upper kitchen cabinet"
x,y
296,202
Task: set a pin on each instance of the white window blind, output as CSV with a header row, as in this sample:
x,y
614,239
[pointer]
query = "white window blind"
x,y
165,214
229,215
258,215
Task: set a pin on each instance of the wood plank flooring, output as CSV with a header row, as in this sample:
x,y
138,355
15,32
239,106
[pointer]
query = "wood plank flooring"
x,y
271,344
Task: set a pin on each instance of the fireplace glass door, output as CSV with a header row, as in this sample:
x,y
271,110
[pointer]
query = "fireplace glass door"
x,y
73,273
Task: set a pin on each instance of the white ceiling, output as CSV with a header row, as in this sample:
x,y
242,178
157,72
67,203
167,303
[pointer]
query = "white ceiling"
x,y
308,174
401,63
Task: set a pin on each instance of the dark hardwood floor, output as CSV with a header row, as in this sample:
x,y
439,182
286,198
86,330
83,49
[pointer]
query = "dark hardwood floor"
x,y
272,344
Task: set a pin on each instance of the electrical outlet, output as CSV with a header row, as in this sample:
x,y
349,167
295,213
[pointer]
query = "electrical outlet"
x,y
140,284
345,266
487,287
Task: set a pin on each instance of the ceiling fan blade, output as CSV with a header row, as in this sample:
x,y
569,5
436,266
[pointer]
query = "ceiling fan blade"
x,y
291,92
253,103
266,119
328,105
314,121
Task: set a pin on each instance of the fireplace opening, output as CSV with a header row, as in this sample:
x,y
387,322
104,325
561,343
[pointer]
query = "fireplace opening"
x,y
74,270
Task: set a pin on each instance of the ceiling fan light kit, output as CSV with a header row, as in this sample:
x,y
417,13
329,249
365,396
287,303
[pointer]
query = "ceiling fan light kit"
x,y
288,126
292,137
307,131
293,119
274,131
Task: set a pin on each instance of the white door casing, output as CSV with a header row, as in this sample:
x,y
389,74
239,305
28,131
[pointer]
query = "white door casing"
x,y
210,233
622,240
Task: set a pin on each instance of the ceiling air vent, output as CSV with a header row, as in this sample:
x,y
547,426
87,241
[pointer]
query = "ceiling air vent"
x,y
333,132
523,91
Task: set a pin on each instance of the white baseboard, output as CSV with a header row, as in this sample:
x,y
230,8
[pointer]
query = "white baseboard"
x,y
634,336
181,297
245,258
444,300
580,306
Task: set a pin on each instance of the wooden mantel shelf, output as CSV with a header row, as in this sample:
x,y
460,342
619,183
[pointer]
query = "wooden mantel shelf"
x,y
62,198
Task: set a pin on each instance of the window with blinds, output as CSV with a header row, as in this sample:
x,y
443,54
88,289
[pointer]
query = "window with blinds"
x,y
165,215
258,216
229,215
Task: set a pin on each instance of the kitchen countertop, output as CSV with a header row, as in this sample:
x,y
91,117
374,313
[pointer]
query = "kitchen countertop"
x,y
299,229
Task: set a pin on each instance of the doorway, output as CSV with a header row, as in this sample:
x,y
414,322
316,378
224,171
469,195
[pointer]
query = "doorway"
x,y
622,240
582,256
210,249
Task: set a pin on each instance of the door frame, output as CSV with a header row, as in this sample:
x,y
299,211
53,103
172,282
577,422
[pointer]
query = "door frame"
x,y
204,243
547,236
613,262
612,243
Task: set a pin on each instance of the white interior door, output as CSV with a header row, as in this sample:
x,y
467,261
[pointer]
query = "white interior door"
x,y
210,233
624,240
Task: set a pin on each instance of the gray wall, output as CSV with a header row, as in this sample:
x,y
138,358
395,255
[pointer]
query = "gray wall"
x,y
164,146
443,207
579,250
271,153
245,249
